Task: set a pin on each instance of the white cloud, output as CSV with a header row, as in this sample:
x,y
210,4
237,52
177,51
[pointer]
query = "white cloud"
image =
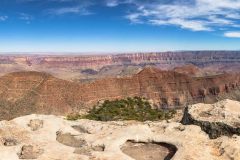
x,y
193,25
196,15
112,3
81,7
66,10
134,17
25,17
232,34
3,18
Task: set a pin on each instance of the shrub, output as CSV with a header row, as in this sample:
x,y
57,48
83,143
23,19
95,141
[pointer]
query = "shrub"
x,y
125,109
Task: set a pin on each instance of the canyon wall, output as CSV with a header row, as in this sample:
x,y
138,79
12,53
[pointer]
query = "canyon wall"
x,y
35,92
85,68
197,57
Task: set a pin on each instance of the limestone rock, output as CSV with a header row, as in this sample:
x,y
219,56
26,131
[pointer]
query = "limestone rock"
x,y
108,138
221,118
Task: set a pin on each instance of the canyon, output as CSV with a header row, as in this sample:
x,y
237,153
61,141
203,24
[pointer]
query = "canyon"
x,y
39,92
89,67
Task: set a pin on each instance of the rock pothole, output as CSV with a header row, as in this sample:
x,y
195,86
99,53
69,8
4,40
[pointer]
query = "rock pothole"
x,y
87,150
9,141
149,150
81,129
30,152
70,140
35,124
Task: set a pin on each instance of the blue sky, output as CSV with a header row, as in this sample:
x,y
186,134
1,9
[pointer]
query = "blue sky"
x,y
118,25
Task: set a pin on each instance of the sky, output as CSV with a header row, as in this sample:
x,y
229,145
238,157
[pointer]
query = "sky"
x,y
119,25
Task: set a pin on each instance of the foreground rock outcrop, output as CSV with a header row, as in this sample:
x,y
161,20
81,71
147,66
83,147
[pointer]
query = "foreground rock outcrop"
x,y
222,118
60,139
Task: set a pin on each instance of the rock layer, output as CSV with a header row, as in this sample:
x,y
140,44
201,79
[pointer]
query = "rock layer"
x,y
89,67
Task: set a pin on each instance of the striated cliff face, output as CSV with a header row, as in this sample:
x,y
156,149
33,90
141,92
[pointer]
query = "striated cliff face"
x,y
98,61
165,88
197,57
34,92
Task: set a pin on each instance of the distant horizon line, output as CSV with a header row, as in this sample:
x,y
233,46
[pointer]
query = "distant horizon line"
x,y
55,53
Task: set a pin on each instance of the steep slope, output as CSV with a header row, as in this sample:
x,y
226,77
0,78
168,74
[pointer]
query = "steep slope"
x,y
35,92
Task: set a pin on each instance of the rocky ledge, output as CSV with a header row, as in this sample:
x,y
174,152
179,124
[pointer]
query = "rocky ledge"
x,y
45,137
222,118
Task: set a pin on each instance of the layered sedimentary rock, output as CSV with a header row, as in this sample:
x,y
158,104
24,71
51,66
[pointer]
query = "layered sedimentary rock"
x,y
138,58
119,140
34,92
72,67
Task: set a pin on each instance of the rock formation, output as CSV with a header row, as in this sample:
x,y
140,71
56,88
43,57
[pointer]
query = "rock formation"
x,y
188,69
61,139
217,119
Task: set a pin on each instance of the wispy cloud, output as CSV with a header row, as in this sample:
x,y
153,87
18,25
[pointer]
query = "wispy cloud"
x,y
115,3
232,34
61,7
3,18
67,10
112,3
26,17
80,7
195,15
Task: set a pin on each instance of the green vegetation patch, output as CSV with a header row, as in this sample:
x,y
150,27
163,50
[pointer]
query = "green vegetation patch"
x,y
125,109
